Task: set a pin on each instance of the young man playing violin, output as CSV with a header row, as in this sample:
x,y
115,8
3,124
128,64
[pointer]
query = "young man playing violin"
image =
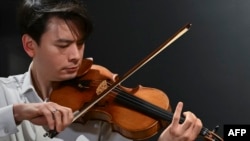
x,y
53,35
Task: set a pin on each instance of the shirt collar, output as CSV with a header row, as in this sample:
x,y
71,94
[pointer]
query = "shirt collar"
x,y
27,86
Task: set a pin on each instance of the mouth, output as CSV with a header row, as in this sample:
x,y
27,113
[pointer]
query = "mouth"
x,y
71,69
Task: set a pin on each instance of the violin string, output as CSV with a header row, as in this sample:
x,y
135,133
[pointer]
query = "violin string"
x,y
148,107
142,104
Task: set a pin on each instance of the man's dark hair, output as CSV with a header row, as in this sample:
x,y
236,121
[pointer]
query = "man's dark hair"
x,y
34,14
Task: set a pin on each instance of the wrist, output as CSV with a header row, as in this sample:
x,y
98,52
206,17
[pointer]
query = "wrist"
x,y
17,113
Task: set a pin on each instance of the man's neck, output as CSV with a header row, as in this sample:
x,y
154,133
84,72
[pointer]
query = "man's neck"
x,y
42,87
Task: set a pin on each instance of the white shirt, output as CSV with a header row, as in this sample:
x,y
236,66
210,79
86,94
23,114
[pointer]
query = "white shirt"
x,y
19,89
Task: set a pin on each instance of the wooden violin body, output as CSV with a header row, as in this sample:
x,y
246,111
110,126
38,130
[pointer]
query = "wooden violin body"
x,y
115,108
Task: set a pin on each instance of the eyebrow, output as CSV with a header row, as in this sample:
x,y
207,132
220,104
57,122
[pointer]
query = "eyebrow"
x,y
69,41
64,40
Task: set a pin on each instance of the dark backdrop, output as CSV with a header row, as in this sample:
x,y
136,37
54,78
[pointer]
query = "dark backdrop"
x,y
208,68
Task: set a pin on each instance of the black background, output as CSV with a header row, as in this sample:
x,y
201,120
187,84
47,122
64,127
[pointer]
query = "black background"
x,y
208,68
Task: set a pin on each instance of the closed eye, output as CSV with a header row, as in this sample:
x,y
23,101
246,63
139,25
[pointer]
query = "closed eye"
x,y
62,43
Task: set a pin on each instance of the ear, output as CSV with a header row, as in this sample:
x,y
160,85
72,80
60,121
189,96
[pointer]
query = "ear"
x,y
29,45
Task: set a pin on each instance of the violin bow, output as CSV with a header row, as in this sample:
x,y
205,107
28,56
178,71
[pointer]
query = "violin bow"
x,y
158,50
208,135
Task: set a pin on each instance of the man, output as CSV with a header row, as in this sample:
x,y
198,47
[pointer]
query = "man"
x,y
53,35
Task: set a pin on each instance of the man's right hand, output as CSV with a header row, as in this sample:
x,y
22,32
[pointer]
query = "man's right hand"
x,y
49,114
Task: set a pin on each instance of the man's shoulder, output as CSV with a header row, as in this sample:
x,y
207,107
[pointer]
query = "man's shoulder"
x,y
12,79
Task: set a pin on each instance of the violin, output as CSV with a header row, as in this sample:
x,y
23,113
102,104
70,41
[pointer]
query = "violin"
x,y
136,113
120,107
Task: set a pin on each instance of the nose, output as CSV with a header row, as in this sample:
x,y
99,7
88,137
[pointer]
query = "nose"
x,y
76,53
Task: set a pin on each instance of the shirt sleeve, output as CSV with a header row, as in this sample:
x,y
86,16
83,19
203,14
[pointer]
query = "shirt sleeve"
x,y
7,122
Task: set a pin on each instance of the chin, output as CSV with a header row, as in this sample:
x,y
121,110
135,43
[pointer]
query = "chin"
x,y
67,77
